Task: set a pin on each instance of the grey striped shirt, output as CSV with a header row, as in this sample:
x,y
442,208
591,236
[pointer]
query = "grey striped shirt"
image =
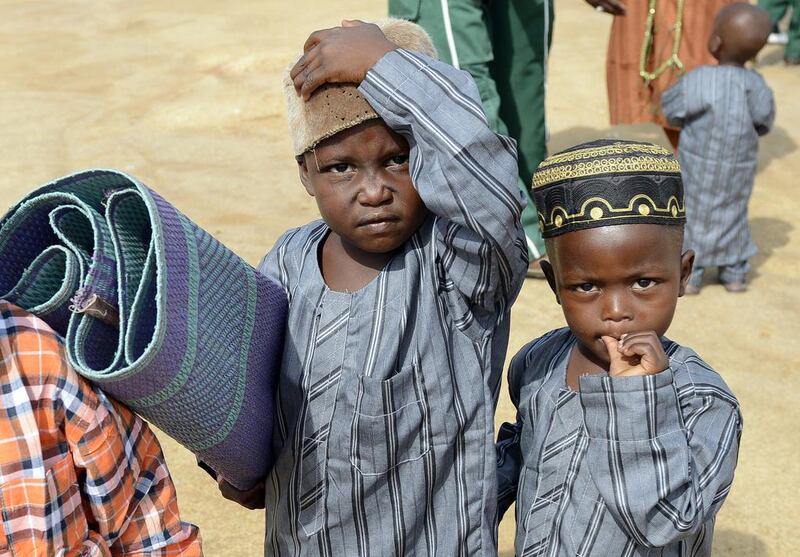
x,y
722,110
384,434
628,466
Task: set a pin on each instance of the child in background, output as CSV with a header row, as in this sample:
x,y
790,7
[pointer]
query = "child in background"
x,y
625,442
722,110
399,302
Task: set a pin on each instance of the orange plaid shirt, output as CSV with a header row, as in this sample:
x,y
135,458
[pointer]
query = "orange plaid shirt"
x,y
80,474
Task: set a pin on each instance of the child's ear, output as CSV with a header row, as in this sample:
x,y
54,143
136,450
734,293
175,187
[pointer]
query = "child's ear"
x,y
302,169
715,45
687,263
549,274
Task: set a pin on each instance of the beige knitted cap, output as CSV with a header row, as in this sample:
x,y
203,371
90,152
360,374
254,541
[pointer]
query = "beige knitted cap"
x,y
338,106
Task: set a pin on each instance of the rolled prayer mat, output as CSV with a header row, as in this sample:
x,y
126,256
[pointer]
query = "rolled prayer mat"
x,y
154,310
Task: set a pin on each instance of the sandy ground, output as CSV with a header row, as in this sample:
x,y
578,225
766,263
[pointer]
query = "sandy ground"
x,y
187,98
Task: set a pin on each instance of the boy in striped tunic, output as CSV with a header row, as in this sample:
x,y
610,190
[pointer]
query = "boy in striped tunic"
x,y
723,109
399,304
625,442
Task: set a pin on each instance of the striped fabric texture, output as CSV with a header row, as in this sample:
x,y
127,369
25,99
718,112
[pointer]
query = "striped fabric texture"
x,y
627,466
79,474
384,414
722,110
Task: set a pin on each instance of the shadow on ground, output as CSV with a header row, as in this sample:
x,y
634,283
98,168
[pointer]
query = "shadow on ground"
x,y
774,146
740,544
769,234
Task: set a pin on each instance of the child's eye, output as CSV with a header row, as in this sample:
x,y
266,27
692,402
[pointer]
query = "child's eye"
x,y
644,283
339,167
399,160
587,287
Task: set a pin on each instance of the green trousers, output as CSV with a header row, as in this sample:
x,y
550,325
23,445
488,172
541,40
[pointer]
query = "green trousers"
x,y
503,44
777,9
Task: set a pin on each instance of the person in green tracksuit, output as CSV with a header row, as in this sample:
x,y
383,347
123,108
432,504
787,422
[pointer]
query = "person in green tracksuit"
x,y
504,45
777,9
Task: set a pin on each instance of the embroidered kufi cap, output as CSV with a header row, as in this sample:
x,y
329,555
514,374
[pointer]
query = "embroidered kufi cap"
x,y
608,182
335,107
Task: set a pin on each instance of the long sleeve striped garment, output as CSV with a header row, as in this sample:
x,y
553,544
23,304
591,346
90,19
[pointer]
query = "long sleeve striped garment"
x,y
627,466
79,474
722,110
385,406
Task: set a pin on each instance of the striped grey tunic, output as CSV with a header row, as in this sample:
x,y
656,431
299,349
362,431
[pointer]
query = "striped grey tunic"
x,y
384,433
722,110
628,466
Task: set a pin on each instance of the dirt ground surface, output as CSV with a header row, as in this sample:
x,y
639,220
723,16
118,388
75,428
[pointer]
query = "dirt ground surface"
x,y
185,95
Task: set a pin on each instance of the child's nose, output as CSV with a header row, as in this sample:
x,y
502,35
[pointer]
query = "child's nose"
x,y
374,193
616,308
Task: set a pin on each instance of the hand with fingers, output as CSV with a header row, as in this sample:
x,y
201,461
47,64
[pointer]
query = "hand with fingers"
x,y
253,498
613,7
635,354
339,55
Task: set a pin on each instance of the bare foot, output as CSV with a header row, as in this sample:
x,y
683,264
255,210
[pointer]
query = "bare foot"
x,y
735,287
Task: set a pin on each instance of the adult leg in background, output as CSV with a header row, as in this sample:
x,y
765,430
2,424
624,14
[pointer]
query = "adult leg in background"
x,y
461,33
792,54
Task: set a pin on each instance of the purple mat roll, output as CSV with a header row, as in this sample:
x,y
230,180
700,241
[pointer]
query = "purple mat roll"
x,y
154,310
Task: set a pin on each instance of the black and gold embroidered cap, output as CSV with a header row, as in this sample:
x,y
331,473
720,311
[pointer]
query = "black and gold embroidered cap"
x,y
608,182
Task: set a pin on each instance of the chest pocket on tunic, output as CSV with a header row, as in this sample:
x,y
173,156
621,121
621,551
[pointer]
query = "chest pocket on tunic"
x,y
53,503
390,422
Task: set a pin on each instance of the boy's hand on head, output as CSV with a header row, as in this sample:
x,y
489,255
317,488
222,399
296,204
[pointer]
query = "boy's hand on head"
x,y
253,498
340,55
635,354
